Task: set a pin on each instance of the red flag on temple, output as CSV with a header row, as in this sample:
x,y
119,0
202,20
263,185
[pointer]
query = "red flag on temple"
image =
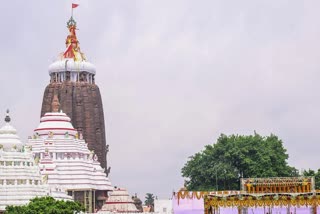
x,y
74,5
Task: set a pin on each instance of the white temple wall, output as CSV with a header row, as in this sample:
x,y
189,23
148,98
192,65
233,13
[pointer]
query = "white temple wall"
x,y
163,206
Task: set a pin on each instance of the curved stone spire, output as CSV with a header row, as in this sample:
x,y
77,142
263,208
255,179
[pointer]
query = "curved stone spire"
x,y
73,81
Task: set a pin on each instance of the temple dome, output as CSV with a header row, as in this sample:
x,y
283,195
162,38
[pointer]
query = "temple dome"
x,y
57,124
8,135
69,64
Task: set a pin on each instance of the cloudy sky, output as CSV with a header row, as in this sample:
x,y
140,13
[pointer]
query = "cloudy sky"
x,y
173,76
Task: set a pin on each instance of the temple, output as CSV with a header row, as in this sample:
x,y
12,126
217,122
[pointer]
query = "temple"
x,y
72,80
65,160
119,201
20,178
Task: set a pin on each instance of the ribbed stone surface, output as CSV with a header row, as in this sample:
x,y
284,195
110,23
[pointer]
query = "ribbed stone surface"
x,y
82,103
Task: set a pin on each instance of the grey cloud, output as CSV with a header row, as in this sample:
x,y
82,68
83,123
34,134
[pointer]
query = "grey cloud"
x,y
173,76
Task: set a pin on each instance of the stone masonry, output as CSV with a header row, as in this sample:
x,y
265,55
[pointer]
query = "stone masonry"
x,y
81,101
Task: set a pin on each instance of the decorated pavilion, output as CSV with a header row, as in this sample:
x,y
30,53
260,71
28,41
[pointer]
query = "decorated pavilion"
x,y
257,195
278,185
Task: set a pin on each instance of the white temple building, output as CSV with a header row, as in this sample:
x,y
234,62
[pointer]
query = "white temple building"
x,y
66,162
20,178
119,201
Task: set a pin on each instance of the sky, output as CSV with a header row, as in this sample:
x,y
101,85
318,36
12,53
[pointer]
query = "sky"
x,y
173,76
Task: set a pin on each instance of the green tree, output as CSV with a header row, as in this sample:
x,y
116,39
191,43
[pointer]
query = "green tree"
x,y
221,165
46,205
316,175
150,201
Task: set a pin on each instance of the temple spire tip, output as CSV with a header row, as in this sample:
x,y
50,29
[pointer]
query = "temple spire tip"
x,y
7,119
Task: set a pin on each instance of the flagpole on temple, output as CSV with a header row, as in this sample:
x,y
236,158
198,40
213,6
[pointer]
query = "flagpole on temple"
x,y
73,6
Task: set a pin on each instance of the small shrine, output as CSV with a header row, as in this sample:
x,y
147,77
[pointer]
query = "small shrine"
x,y
119,201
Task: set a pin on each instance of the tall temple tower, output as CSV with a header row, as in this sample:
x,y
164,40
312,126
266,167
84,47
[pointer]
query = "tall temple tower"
x,y
72,79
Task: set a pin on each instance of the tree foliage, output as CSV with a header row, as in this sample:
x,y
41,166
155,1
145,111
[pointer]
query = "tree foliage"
x,y
149,200
46,205
316,175
221,165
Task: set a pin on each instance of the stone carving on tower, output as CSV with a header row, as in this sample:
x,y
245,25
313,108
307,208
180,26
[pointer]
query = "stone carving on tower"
x,y
72,83
55,104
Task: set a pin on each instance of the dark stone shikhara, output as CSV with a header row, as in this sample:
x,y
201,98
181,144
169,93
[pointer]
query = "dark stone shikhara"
x,y
72,80
81,101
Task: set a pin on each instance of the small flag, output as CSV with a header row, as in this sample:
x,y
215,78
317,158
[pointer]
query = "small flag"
x,y
74,5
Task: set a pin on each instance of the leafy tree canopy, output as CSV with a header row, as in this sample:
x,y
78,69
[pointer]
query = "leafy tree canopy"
x,y
316,175
46,205
221,165
149,200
